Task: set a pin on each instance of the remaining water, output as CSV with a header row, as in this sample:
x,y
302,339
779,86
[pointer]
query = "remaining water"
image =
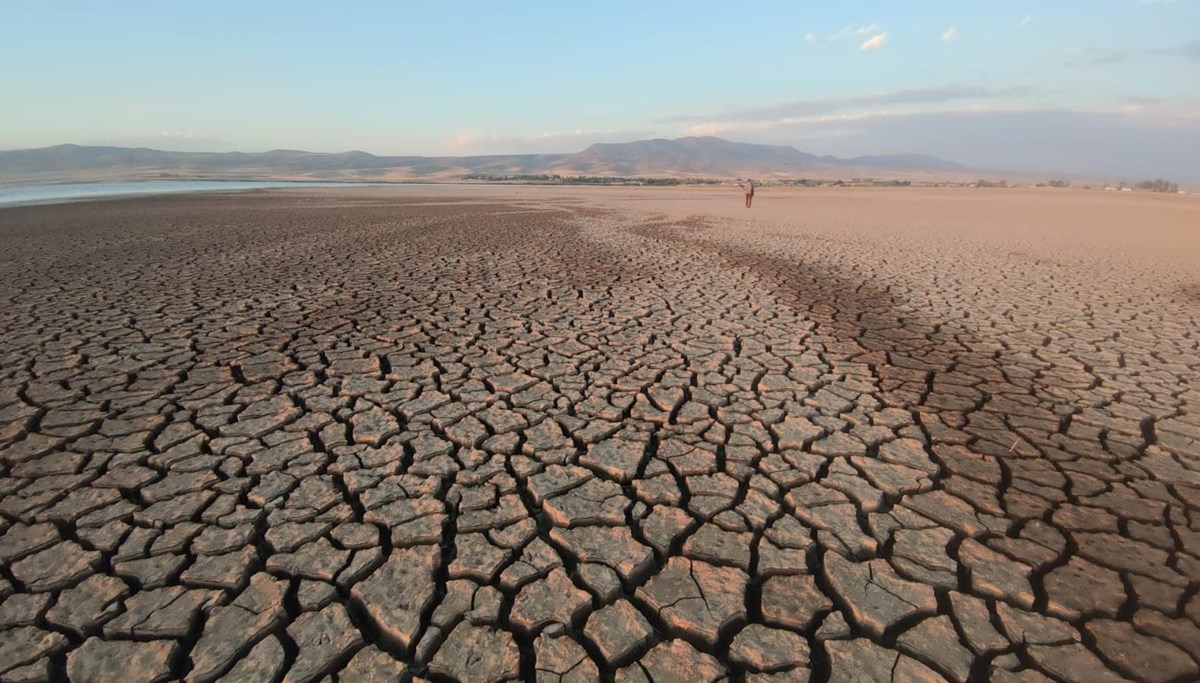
x,y
53,194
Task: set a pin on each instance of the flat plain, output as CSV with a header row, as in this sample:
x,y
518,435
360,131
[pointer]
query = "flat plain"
x,y
554,434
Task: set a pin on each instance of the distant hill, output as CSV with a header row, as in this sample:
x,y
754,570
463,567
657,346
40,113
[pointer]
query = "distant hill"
x,y
706,155
692,156
76,162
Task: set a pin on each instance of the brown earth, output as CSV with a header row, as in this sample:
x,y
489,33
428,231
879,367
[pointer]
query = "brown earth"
x,y
601,434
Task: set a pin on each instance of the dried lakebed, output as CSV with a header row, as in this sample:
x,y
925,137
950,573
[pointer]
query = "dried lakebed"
x,y
354,436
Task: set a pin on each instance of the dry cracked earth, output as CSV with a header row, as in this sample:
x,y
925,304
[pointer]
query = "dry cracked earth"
x,y
360,436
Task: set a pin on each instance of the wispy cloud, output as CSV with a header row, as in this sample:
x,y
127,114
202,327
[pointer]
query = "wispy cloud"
x,y
1104,56
950,34
844,33
876,36
1098,56
167,140
950,92
1006,28
488,142
874,42
852,32
1189,50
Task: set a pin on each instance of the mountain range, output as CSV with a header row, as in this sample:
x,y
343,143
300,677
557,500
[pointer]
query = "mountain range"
x,y
708,157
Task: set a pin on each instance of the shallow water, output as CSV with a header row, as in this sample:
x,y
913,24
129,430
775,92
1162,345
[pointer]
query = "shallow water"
x,y
52,194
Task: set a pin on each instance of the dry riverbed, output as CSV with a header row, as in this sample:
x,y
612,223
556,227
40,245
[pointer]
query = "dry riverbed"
x,y
494,433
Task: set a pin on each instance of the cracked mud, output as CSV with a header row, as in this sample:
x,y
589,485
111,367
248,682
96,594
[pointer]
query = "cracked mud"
x,y
354,436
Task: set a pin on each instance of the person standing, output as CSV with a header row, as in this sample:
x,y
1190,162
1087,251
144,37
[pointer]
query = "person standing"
x,y
748,186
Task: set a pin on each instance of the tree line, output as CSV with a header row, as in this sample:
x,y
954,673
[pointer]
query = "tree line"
x,y
1158,185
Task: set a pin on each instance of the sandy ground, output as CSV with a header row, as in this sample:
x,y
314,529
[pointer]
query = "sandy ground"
x,y
494,433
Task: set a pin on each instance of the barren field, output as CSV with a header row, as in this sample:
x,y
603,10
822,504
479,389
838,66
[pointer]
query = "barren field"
x,y
525,433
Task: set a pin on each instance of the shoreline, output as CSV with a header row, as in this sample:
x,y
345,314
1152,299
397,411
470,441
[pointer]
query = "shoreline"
x,y
138,188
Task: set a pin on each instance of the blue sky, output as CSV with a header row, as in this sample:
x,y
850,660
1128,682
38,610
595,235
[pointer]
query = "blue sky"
x,y
1012,84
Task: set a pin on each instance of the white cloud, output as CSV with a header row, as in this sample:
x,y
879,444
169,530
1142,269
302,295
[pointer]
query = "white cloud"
x,y
950,34
851,32
874,42
810,37
469,139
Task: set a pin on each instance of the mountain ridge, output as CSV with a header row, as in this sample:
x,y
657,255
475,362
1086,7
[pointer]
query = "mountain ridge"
x,y
688,157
